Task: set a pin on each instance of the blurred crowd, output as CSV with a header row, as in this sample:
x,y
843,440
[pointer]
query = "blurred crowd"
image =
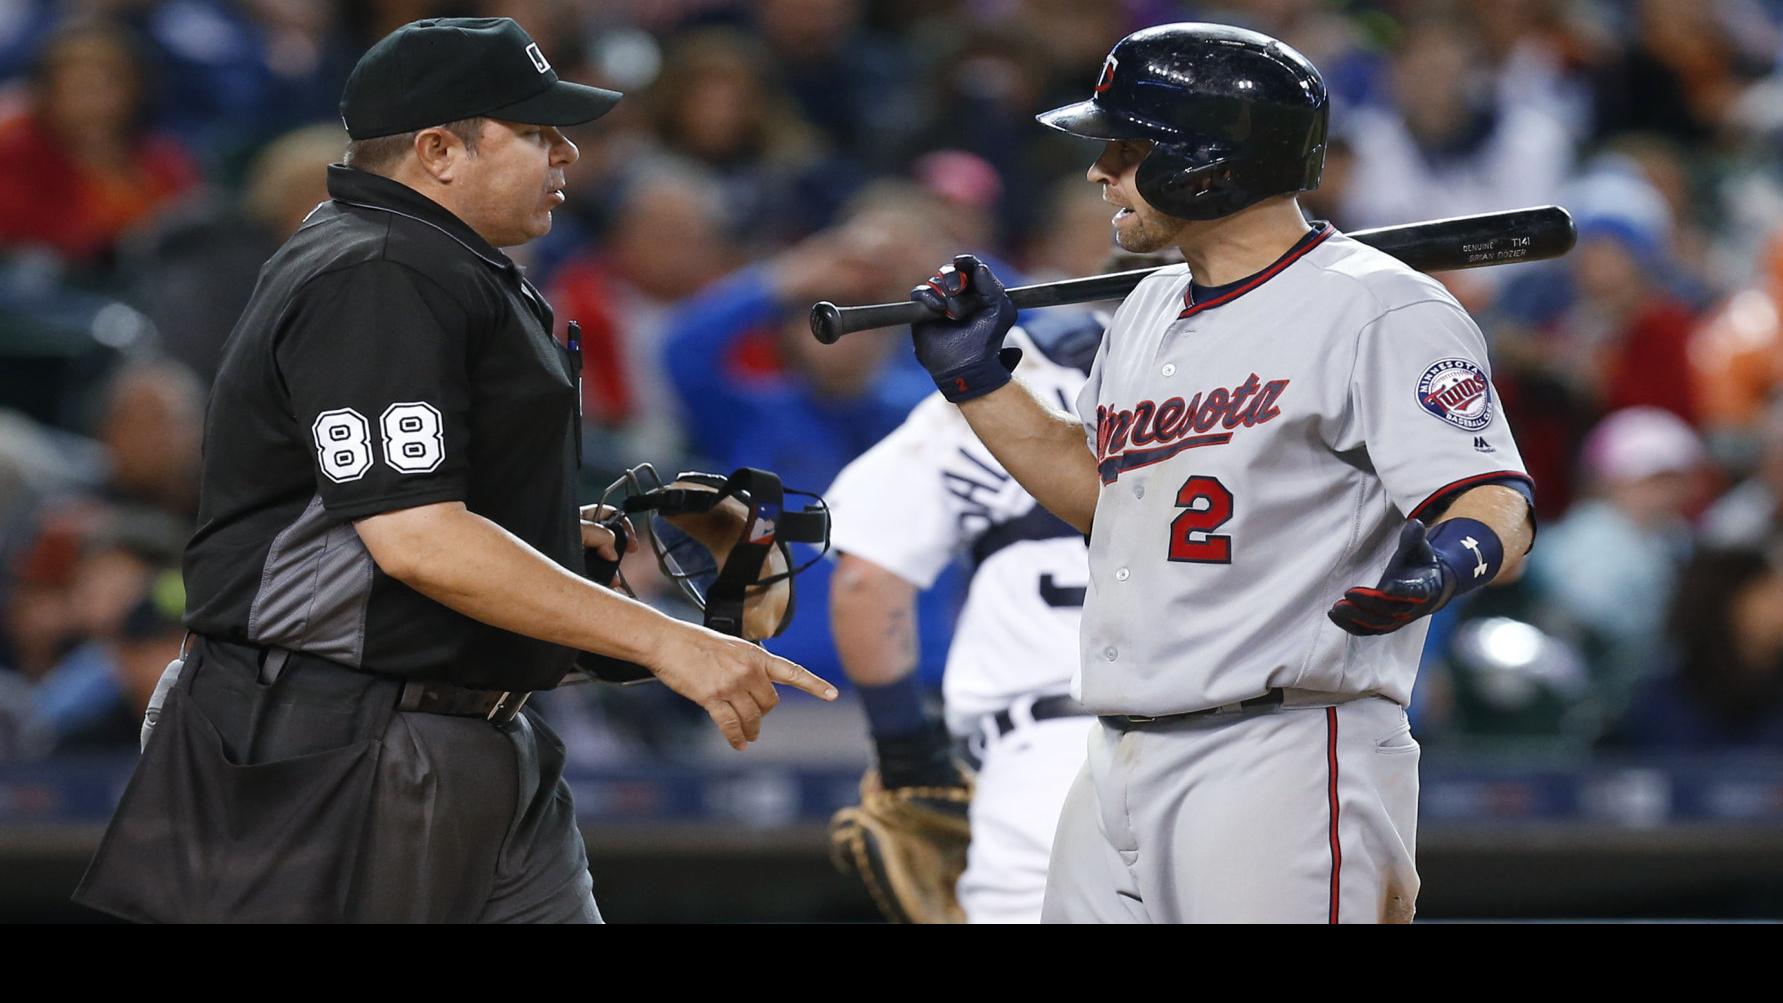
x,y
771,153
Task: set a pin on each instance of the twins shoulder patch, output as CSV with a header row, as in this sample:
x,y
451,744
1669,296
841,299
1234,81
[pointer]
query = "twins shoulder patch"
x,y
1458,392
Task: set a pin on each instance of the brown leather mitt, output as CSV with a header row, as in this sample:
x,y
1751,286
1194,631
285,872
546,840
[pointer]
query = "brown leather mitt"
x,y
908,846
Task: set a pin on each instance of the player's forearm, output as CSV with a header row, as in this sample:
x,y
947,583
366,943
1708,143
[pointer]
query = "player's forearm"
x,y
471,565
1506,513
1042,449
873,618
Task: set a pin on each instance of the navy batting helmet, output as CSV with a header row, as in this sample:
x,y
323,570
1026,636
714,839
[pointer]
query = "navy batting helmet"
x,y
1234,116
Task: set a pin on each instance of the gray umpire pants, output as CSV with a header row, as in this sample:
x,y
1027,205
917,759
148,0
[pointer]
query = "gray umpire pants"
x,y
309,798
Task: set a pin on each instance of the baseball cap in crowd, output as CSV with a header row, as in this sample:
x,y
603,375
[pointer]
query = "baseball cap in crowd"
x,y
1636,443
440,70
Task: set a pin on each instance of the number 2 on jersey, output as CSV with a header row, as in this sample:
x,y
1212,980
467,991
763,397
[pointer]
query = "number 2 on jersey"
x,y
1201,519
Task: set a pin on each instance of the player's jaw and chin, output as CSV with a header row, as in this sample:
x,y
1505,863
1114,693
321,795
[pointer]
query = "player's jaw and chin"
x,y
1141,229
1138,227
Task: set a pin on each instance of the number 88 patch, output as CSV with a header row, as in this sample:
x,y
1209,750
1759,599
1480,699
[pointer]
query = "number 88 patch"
x,y
413,440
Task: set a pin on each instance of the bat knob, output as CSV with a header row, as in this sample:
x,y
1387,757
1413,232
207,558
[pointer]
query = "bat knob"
x,y
826,320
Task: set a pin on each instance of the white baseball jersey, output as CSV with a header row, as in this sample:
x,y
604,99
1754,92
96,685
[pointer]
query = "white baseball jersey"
x,y
930,492
1259,451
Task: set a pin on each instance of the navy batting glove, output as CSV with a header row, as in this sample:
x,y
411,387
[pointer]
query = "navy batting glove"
x,y
1427,571
963,349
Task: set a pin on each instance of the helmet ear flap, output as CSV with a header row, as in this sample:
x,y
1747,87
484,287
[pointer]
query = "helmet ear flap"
x,y
1176,185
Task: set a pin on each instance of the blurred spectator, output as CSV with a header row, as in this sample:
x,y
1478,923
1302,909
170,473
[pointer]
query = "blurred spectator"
x,y
1725,689
846,81
667,241
1689,246
1610,565
151,430
117,568
980,96
716,102
234,73
146,640
193,272
38,619
969,188
1541,53
35,464
1596,334
77,165
1685,70
1633,332
758,390
1449,145
1076,236
1736,359
1750,514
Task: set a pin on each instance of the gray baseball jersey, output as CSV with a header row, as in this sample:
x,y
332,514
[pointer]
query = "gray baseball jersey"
x,y
1259,450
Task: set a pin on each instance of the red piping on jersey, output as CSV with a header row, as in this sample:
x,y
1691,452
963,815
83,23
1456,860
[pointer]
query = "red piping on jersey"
x,y
1261,277
1331,793
1454,486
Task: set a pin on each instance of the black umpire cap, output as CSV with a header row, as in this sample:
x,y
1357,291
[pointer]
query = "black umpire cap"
x,y
444,69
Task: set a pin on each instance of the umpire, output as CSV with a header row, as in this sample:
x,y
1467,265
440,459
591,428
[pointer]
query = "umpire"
x,y
380,573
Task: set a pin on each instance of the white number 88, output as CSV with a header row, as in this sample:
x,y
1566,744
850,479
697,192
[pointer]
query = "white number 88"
x,y
412,440
343,444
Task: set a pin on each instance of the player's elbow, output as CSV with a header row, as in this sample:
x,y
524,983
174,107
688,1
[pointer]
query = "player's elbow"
x,y
861,584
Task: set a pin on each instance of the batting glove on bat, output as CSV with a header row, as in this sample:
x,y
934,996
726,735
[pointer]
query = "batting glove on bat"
x,y
1426,571
963,349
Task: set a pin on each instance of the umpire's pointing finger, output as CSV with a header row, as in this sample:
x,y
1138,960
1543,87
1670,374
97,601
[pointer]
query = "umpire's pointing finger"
x,y
788,674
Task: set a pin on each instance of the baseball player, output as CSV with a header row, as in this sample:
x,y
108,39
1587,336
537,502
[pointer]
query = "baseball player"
x,y
1288,452
923,496
388,553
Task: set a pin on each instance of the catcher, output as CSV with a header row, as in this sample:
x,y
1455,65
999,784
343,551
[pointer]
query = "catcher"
x,y
904,510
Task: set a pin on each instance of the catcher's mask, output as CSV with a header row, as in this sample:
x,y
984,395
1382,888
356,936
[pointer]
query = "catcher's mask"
x,y
723,542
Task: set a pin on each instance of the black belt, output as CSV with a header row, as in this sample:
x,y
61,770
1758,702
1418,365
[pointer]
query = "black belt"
x,y
494,706
1044,709
1124,721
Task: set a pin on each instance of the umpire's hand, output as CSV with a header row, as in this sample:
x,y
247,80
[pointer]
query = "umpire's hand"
x,y
732,679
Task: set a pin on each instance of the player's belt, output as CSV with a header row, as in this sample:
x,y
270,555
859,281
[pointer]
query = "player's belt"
x,y
494,706
1124,721
1044,709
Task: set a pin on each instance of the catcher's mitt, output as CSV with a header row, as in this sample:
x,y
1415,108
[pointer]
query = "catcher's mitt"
x,y
908,846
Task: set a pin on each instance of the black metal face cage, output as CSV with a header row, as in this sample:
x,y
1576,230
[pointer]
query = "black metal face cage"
x,y
687,562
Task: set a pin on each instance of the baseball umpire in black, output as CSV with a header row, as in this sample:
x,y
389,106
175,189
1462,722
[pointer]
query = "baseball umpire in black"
x,y
381,569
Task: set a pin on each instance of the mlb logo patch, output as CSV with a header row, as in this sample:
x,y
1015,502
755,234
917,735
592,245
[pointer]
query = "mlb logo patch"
x,y
538,58
1458,392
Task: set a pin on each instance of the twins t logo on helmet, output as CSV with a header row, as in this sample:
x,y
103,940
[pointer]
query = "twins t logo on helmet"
x,y
1458,392
1106,80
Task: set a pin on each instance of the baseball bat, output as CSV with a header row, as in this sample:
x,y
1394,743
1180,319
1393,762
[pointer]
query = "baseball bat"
x,y
1437,245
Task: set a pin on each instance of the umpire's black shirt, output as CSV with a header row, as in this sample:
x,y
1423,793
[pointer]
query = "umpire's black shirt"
x,y
389,358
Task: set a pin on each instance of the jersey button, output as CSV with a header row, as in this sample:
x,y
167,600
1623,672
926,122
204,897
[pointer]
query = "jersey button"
x,y
1139,491
1122,575
1169,369
1109,653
